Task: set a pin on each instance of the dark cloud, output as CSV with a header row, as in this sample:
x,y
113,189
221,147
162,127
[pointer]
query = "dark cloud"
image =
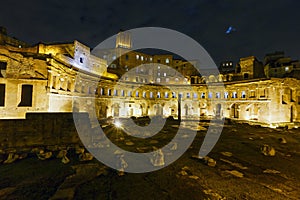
x,y
261,26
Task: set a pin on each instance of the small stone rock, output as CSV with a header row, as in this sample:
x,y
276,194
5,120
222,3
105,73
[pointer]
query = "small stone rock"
x,y
282,140
271,171
129,143
268,150
11,158
61,153
183,173
250,138
209,161
158,158
79,150
226,153
65,160
194,177
85,157
44,155
153,142
235,173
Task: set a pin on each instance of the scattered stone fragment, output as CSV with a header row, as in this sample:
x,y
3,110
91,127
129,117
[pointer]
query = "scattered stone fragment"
x,y
209,161
79,150
12,157
36,150
44,155
157,158
250,138
153,142
197,157
183,173
121,162
63,155
261,138
267,150
235,173
271,171
129,143
85,157
213,194
174,147
194,177
238,165
282,140
226,153
65,160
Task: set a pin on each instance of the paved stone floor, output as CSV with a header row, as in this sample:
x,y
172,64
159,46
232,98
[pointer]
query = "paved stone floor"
x,y
242,171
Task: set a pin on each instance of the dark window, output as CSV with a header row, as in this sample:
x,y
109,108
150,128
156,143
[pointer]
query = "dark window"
x,y
126,57
246,76
2,69
81,60
238,69
2,94
26,96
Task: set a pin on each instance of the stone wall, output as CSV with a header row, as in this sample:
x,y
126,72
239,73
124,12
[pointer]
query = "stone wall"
x,y
39,130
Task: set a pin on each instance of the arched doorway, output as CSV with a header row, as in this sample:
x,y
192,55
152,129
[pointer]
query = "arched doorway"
x,y
293,113
235,111
116,110
218,110
186,110
158,109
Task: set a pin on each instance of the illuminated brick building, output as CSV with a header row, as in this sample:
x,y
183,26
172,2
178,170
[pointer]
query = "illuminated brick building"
x,y
46,78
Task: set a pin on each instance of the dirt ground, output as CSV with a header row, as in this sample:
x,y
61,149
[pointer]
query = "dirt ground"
x,y
242,171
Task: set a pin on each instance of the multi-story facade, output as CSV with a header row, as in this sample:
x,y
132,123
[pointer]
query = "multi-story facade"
x,y
47,78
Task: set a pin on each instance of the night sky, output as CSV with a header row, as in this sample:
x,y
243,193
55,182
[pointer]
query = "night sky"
x,y
261,26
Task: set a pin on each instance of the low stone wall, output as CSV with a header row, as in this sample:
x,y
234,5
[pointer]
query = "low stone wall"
x,y
39,130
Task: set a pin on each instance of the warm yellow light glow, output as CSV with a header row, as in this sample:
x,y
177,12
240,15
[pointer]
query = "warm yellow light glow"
x,y
118,124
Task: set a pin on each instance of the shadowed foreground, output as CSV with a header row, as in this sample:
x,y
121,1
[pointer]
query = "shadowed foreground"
x,y
242,171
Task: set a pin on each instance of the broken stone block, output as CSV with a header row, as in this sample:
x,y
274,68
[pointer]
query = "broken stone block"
x,y
121,162
267,150
65,160
174,147
158,158
44,155
12,157
63,155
